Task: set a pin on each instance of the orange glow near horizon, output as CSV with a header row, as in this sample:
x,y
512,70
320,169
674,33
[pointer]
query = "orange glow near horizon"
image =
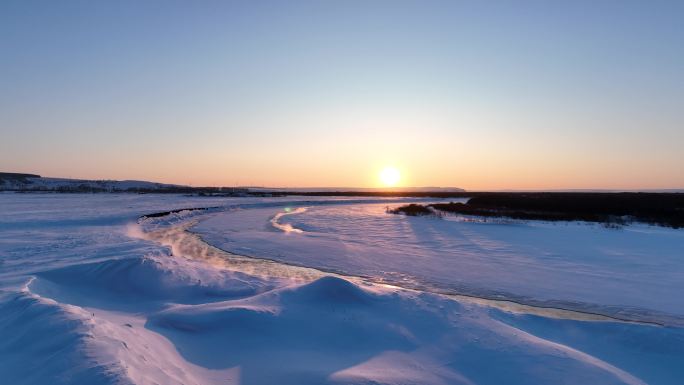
x,y
465,171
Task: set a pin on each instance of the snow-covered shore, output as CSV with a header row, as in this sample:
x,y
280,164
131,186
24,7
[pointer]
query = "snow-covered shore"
x,y
91,296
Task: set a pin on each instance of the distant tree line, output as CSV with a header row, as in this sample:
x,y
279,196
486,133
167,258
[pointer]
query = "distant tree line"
x,y
664,209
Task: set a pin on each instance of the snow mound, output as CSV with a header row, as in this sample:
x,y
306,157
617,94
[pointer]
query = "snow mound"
x,y
332,290
54,343
317,333
31,326
143,283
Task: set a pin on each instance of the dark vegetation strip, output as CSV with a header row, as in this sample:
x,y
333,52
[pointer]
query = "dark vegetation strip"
x,y
388,194
663,209
165,213
414,210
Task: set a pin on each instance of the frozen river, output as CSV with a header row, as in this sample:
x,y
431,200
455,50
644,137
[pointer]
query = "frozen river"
x,y
637,269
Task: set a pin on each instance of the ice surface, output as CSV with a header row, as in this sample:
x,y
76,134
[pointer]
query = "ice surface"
x,y
636,269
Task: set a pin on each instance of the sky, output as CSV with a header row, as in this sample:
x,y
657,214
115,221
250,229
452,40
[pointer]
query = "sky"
x,y
473,94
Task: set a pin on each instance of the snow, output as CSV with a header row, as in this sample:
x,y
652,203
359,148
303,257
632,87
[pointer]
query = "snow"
x,y
91,295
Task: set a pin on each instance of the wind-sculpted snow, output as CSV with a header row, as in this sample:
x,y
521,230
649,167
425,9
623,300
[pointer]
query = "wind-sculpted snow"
x,y
331,331
93,294
44,342
143,283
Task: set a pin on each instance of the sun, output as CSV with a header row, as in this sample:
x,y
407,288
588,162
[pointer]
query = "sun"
x,y
389,176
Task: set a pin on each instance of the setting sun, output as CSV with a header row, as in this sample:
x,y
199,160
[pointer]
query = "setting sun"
x,y
389,176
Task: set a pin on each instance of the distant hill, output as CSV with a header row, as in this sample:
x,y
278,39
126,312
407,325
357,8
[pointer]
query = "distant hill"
x,y
15,178
358,189
32,182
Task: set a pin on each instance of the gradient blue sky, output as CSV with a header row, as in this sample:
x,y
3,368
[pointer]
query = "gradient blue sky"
x,y
481,95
